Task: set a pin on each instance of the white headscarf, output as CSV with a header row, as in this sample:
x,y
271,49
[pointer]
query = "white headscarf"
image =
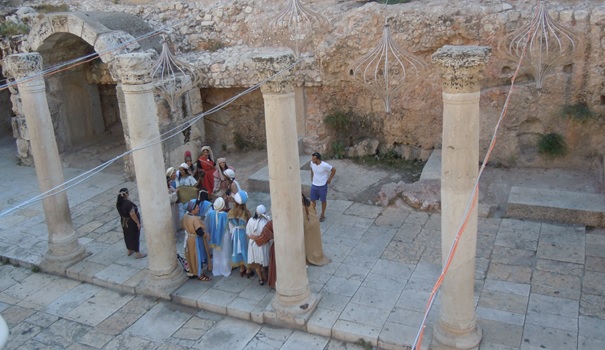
x,y
218,205
261,211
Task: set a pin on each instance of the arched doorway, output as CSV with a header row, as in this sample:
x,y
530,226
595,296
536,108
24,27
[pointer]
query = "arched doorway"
x,y
83,99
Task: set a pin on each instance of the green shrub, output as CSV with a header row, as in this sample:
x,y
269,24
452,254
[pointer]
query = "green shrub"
x,y
240,141
8,28
338,150
214,45
579,111
392,2
338,121
49,8
410,170
552,145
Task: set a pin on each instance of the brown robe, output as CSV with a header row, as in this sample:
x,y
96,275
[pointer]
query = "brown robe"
x,y
265,237
313,246
191,223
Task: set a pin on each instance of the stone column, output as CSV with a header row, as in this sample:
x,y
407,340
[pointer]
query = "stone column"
x,y
63,246
293,301
460,68
299,94
128,162
133,72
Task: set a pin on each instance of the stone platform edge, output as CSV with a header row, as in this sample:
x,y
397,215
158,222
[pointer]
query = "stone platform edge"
x,y
578,208
320,321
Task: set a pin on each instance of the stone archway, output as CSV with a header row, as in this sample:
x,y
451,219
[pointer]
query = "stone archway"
x,y
84,100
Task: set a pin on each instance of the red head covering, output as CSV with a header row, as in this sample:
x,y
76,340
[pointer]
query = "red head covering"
x,y
187,153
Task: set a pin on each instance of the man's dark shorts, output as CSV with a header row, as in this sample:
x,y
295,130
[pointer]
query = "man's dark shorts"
x,y
319,192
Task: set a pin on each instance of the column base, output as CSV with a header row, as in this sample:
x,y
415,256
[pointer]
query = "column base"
x,y
162,286
448,338
61,255
292,315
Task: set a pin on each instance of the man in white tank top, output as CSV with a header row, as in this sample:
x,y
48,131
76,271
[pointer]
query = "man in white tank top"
x,y
321,176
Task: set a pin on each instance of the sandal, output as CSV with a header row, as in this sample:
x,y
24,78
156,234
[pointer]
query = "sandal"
x,y
249,274
204,278
140,255
261,282
322,219
242,272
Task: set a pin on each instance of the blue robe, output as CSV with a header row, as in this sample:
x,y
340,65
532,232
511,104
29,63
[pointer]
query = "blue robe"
x,y
216,226
239,241
204,207
202,257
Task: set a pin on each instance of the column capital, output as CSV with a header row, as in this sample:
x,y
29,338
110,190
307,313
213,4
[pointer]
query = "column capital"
x,y
22,66
268,64
132,68
461,67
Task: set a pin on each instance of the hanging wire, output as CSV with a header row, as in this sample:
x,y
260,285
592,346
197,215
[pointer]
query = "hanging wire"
x,y
295,25
385,69
173,77
87,58
549,44
163,137
471,203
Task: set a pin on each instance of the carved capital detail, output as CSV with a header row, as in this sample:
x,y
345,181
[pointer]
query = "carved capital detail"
x,y
461,67
278,87
132,68
268,65
24,66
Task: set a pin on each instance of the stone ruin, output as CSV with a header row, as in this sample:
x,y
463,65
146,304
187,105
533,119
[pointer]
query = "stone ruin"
x,y
220,37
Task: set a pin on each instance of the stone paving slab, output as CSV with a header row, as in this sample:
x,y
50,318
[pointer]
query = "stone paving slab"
x,y
533,278
159,323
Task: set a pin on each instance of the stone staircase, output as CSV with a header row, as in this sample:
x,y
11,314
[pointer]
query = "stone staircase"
x,y
259,181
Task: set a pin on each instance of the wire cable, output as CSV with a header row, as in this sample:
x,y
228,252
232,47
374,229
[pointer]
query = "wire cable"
x,y
163,137
470,205
89,57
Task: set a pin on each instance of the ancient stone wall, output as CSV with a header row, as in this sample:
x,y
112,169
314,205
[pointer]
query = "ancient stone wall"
x,y
204,29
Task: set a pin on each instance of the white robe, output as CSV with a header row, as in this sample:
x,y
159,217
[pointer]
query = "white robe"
x,y
256,254
221,259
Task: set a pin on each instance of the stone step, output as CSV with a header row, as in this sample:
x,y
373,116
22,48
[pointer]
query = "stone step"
x,y
259,181
568,207
432,168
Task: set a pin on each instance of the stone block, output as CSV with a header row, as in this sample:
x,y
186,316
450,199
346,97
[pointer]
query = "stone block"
x,y
425,154
396,336
159,323
42,30
189,292
107,42
556,206
91,30
19,125
59,22
367,147
241,308
216,300
195,98
84,271
432,168
23,148
322,321
351,332
258,313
